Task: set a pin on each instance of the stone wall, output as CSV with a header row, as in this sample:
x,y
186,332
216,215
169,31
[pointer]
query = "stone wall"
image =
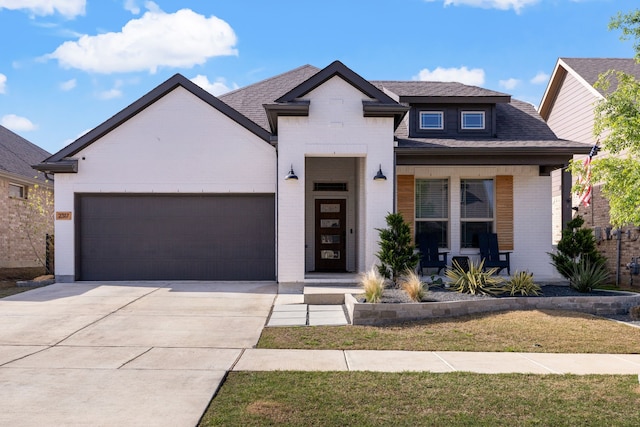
x,y
381,313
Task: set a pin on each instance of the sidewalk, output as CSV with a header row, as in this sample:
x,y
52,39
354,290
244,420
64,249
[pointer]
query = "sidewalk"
x,y
437,361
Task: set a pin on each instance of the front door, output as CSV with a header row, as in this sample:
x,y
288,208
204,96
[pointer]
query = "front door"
x,y
331,235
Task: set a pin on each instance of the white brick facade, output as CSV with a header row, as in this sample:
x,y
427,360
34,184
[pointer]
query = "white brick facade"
x,y
335,127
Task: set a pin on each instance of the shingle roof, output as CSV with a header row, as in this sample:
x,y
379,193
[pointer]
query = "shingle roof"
x,y
249,100
17,155
590,68
435,89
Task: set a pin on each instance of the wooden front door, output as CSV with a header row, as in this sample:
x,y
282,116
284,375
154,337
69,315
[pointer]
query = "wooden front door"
x,y
331,235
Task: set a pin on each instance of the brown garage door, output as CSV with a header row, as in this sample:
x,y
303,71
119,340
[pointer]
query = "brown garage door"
x,y
175,237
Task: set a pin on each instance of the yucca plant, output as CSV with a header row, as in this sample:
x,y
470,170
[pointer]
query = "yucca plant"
x,y
475,281
372,285
522,283
414,287
585,276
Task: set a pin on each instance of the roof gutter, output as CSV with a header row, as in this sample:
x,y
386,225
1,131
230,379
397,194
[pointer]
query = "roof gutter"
x,y
60,166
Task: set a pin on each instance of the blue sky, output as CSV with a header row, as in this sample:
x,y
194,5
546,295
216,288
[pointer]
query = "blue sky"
x,y
68,65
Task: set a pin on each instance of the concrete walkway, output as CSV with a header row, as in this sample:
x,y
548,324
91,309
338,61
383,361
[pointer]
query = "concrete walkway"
x,y
437,361
155,353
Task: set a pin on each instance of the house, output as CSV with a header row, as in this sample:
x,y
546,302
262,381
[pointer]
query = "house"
x,y
22,235
296,173
568,108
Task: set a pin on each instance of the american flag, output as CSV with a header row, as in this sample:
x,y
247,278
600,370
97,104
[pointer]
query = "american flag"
x,y
585,179
585,194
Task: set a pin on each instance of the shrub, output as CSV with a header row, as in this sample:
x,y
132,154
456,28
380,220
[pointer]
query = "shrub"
x,y
577,243
373,285
522,283
413,286
586,275
475,280
397,253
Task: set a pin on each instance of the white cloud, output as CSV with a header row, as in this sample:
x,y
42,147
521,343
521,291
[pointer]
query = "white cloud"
x,y
17,123
3,83
516,5
132,6
157,39
66,8
540,78
68,85
474,77
112,93
509,84
216,88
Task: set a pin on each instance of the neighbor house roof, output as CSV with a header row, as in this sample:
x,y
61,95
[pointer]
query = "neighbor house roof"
x,y
586,71
17,155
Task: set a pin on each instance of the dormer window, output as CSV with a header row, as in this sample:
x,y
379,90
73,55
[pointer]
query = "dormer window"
x,y
473,120
431,120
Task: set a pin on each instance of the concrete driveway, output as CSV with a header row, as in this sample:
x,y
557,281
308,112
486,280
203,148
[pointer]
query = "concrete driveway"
x,y
126,354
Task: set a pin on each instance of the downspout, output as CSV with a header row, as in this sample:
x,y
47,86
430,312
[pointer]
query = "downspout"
x,y
618,259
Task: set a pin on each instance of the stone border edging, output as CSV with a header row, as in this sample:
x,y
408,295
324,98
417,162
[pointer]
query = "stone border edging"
x,y
381,313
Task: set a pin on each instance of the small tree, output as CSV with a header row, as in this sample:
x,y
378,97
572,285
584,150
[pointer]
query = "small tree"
x,y
397,253
576,245
36,220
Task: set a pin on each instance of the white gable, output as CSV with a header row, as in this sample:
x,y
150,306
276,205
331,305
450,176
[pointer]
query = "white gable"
x,y
179,143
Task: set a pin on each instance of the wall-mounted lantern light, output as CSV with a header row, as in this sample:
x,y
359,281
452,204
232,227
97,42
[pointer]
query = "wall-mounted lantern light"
x,y
380,176
291,175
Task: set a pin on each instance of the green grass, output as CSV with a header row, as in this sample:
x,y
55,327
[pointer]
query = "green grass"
x,y
541,331
411,399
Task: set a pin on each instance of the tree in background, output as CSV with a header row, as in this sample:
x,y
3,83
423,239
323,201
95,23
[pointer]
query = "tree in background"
x,y
397,254
617,127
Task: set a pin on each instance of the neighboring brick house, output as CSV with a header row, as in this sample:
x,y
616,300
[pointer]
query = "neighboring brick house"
x,y
568,108
296,174
17,181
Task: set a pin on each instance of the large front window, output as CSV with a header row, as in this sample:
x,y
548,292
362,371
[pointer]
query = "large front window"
x,y
476,210
432,209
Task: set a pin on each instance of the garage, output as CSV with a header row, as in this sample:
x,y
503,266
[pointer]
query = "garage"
x,y
175,237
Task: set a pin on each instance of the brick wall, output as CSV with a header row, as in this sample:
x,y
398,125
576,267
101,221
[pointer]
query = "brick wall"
x,y
16,248
597,215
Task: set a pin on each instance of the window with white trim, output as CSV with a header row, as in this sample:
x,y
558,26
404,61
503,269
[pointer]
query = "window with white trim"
x,y
432,209
431,120
17,191
473,120
477,211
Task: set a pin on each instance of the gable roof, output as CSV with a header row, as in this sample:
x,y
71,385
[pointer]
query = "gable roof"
x,y
249,100
17,155
291,104
586,71
59,163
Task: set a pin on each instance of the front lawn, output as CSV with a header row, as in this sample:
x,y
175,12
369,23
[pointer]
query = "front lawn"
x,y
410,399
543,331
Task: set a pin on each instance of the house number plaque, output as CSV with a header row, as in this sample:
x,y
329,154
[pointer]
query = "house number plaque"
x,y
63,216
